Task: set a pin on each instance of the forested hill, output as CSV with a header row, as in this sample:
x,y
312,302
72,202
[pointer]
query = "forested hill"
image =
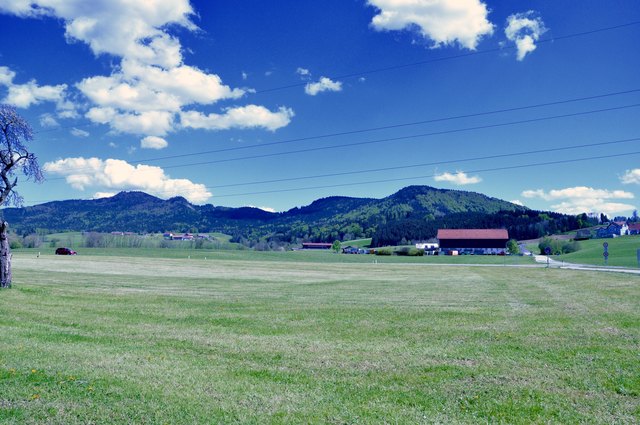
x,y
325,219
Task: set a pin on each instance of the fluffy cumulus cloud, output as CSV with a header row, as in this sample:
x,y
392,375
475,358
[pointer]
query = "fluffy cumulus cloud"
x,y
322,85
459,178
151,85
153,142
30,93
116,175
250,116
444,22
524,29
580,199
631,176
132,29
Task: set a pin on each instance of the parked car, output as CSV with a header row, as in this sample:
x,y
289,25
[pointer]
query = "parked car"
x,y
65,251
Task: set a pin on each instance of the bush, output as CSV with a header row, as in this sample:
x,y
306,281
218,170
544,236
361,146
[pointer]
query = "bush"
x,y
384,251
557,247
15,244
409,251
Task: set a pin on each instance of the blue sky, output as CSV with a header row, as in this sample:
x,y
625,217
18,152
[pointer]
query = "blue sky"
x,y
277,103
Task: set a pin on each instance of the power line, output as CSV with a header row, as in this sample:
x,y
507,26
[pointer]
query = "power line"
x,y
394,126
393,139
427,164
511,167
451,57
383,140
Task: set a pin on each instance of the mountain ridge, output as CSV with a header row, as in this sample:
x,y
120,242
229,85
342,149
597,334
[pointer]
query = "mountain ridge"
x,y
326,218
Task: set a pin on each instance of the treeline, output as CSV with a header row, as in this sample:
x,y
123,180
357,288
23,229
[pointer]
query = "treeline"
x,y
520,225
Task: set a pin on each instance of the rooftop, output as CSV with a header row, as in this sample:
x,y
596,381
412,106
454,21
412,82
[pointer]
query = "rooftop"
x,y
473,234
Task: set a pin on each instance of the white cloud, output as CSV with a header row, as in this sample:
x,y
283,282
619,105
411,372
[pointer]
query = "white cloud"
x,y
533,193
324,84
138,87
250,116
6,76
267,209
517,202
99,195
443,21
132,29
25,95
156,123
459,178
524,29
150,86
115,174
303,72
579,199
631,176
153,142
244,75
79,133
30,93
48,121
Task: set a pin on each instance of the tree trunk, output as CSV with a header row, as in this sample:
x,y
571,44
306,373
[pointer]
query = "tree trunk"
x,y
5,257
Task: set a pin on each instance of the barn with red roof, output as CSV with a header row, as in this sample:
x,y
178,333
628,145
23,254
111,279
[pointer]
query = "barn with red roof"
x,y
473,241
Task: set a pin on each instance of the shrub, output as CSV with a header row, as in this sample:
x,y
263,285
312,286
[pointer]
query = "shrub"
x,y
409,251
384,251
557,247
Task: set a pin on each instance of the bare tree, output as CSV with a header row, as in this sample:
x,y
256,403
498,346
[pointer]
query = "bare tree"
x,y
15,132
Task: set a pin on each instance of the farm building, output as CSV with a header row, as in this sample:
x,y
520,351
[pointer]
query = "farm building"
x,y
634,228
473,241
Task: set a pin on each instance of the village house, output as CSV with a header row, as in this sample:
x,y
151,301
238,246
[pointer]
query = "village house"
x,y
613,229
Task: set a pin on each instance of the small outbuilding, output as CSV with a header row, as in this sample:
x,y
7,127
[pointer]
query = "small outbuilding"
x,y
473,241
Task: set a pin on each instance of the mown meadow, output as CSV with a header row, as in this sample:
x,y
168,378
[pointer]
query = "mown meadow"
x,y
244,338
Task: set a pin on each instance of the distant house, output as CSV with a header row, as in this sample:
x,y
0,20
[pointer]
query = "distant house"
x,y
634,228
613,229
316,245
583,234
473,241
168,236
430,248
350,250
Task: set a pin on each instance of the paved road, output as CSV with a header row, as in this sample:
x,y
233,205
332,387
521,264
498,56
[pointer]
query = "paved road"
x,y
543,259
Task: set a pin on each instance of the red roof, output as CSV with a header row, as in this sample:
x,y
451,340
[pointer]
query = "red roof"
x,y
634,226
473,234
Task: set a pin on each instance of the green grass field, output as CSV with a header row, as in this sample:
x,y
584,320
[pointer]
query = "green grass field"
x,y
622,252
261,338
313,256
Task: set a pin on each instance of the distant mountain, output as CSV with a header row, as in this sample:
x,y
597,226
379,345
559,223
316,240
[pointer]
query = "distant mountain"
x,y
324,219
